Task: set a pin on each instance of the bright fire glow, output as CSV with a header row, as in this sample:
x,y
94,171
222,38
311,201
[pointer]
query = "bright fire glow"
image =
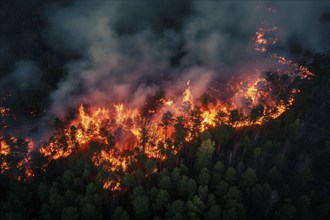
x,y
120,129
118,134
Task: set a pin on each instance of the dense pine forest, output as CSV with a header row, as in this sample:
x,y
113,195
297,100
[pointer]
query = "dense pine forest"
x,y
277,169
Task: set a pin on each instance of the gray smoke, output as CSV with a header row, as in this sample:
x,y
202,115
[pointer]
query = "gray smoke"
x,y
129,50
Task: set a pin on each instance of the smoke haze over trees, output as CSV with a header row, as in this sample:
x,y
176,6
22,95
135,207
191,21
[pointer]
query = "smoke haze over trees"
x,y
65,54
60,59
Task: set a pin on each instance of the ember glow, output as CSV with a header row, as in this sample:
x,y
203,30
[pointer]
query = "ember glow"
x,y
4,151
119,133
20,149
264,38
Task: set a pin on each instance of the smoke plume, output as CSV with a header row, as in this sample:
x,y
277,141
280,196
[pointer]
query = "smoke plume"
x,y
107,51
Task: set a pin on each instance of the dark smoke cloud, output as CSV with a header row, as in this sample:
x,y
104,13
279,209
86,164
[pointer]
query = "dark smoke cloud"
x,y
126,45
129,50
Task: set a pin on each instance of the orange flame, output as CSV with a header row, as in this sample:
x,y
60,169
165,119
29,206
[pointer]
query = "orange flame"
x,y
128,129
123,133
4,151
261,41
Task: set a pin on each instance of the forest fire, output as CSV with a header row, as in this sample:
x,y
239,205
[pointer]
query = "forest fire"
x,y
164,110
16,148
120,129
264,39
4,151
119,133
